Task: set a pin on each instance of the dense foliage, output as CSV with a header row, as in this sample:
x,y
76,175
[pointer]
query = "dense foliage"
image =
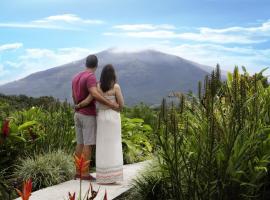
x,y
39,126
213,146
136,139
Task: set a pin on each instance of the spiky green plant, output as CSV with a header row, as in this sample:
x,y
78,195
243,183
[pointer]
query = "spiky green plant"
x,y
45,169
216,146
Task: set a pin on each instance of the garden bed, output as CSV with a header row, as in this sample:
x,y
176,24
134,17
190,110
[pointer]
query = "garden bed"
x,y
60,191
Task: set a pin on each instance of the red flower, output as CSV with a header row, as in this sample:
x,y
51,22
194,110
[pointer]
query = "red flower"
x,y
105,196
27,189
81,165
5,128
93,192
71,197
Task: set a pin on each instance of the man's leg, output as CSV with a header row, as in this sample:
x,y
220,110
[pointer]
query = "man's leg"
x,y
79,150
87,152
79,137
89,137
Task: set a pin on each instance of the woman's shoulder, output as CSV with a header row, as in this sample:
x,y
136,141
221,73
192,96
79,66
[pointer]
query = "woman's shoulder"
x,y
116,86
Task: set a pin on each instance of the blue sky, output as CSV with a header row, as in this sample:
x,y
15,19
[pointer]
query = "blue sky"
x,y
40,34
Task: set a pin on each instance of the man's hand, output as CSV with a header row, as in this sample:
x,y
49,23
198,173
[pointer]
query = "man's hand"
x,y
77,106
94,92
116,107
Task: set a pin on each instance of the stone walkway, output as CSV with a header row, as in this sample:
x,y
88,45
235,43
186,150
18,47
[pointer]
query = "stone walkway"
x,y
60,192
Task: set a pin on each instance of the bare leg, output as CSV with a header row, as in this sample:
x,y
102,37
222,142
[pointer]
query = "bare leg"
x,y
78,153
79,150
86,152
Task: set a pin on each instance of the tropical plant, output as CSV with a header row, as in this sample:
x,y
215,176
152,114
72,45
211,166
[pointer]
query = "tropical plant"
x,y
26,191
54,127
136,137
216,145
142,111
45,169
81,165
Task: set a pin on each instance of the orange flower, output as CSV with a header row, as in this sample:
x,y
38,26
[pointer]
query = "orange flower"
x,y
5,128
71,197
81,164
27,189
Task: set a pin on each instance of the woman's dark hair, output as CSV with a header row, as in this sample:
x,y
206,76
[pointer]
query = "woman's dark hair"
x,y
107,78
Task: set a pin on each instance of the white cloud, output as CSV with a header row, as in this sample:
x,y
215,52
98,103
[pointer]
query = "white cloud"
x,y
34,60
210,54
67,18
228,57
40,59
138,27
264,28
61,22
160,34
11,46
237,35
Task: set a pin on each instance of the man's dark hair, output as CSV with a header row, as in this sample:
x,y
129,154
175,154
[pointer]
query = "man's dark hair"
x,y
91,61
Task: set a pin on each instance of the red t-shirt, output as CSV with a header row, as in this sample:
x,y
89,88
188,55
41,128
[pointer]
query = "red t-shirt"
x,y
80,85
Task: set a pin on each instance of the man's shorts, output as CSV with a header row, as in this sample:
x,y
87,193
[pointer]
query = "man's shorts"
x,y
85,127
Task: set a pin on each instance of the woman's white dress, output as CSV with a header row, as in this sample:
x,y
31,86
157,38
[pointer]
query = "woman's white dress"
x,y
109,155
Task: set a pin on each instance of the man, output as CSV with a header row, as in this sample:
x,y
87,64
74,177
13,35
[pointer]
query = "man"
x,y
83,84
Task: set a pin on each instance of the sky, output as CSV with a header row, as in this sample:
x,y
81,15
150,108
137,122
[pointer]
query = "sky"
x,y
40,34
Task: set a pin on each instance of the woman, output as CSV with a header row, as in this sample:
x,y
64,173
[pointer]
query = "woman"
x,y
109,156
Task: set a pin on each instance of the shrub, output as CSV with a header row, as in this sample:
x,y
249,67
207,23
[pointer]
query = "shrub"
x,y
142,111
55,130
136,136
4,191
150,184
46,169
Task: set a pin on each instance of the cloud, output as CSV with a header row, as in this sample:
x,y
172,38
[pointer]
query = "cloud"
x,y
202,37
210,54
67,18
33,60
11,46
138,27
61,22
40,59
237,35
228,57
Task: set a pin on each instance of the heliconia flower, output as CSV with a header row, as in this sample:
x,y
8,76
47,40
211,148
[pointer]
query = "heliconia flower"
x,y
93,192
27,189
81,164
71,197
5,128
105,196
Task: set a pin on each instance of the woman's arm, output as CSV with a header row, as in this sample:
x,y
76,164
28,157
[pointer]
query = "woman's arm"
x,y
119,96
85,102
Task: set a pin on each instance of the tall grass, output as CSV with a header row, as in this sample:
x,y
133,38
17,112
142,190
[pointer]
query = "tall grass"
x,y
216,146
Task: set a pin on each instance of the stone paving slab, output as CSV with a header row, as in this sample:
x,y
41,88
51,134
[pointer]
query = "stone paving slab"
x,y
60,191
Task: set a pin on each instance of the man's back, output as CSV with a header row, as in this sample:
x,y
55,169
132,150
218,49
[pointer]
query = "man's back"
x,y
80,85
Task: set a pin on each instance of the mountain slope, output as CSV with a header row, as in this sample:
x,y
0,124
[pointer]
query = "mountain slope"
x,y
144,76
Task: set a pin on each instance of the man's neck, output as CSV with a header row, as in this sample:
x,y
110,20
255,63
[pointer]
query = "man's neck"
x,y
90,70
